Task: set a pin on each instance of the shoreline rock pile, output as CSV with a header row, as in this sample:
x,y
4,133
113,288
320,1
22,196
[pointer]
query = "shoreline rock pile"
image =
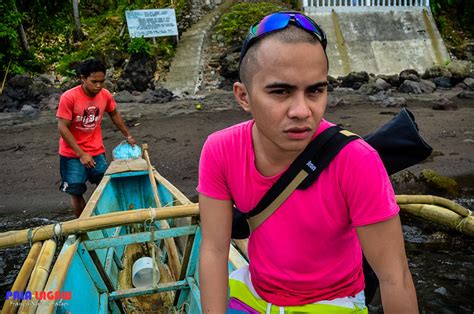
x,y
33,94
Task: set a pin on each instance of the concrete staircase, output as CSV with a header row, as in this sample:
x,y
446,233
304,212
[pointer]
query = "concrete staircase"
x,y
185,72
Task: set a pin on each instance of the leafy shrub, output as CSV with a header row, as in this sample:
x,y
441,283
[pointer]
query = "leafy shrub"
x,y
455,21
235,24
139,46
166,49
9,41
65,65
444,12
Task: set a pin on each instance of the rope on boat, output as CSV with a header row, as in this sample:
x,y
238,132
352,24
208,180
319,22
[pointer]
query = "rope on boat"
x,y
172,203
180,309
56,235
152,214
149,224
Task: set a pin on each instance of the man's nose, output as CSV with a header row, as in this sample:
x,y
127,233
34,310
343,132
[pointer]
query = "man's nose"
x,y
299,107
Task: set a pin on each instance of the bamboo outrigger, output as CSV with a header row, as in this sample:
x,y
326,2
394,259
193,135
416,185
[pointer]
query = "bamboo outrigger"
x,y
438,210
132,213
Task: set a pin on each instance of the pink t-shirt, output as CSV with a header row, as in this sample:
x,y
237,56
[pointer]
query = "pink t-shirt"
x,y
308,250
85,114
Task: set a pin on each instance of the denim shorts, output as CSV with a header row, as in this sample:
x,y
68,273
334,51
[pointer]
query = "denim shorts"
x,y
74,175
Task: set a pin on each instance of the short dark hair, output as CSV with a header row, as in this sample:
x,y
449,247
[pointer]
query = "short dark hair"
x,y
291,34
91,66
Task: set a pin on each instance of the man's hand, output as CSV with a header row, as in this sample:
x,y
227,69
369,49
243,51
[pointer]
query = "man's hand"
x,y
131,140
87,160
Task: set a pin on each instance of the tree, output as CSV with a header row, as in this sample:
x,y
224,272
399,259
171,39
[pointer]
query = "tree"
x,y
21,31
77,20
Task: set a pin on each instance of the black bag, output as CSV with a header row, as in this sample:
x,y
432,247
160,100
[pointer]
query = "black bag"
x,y
398,143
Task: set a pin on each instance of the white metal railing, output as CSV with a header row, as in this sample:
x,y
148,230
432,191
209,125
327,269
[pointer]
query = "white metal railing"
x,y
366,3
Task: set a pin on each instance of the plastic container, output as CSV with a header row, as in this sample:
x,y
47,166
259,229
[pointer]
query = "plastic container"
x,y
125,151
142,273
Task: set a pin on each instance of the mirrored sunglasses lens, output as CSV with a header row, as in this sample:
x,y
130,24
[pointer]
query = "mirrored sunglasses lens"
x,y
272,22
307,24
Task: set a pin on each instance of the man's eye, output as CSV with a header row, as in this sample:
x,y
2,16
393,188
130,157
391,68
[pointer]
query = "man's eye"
x,y
318,90
279,91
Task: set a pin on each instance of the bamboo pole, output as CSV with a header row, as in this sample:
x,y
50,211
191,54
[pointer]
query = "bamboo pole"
x,y
104,221
173,256
181,200
92,202
150,175
236,258
433,200
23,277
39,276
174,190
442,216
243,246
57,277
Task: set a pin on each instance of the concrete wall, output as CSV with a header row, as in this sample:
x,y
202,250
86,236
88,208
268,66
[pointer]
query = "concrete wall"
x,y
380,40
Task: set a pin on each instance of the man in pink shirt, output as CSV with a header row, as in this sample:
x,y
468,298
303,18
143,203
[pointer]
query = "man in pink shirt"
x,y
81,149
307,256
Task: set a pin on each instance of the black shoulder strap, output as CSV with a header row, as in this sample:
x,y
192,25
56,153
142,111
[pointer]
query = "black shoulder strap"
x,y
305,169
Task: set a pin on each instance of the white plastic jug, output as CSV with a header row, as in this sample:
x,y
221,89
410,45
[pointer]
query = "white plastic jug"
x,y
142,273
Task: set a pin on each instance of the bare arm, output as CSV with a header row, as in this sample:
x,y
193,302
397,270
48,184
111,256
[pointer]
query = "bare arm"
x,y
384,249
116,118
216,224
63,127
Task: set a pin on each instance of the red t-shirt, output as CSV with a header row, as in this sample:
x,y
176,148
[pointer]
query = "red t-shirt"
x,y
85,114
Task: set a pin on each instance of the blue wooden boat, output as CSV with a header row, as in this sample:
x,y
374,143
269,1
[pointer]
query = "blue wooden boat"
x,y
92,272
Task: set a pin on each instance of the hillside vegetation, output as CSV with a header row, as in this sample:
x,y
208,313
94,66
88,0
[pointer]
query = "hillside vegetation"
x,y
46,35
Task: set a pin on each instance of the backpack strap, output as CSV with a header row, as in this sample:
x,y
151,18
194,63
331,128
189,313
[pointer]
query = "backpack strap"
x,y
304,170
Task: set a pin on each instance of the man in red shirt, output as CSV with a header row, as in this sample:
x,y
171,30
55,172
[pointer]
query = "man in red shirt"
x,y
81,150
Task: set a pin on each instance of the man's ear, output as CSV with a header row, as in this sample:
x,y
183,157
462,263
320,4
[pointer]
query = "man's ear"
x,y
242,96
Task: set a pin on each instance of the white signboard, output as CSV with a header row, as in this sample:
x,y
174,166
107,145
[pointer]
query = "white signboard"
x,y
151,23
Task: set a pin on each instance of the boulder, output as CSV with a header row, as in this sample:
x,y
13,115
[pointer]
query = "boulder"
x,y
410,87
443,82
354,77
410,75
138,74
469,82
427,86
460,70
444,104
466,94
382,84
23,90
18,88
440,183
7,104
370,88
436,71
230,66
50,103
125,96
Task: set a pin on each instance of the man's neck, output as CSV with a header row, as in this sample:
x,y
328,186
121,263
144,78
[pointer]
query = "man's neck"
x,y
86,91
269,159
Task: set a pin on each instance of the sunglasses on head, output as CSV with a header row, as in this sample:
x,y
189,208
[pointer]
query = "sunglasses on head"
x,y
278,21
